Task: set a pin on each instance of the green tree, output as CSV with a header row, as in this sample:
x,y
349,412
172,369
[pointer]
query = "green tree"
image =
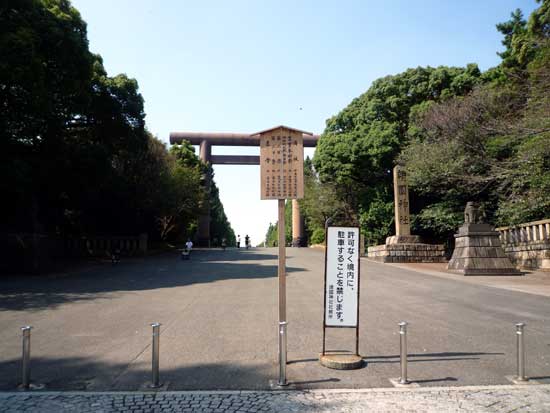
x,y
321,201
76,157
493,146
358,148
220,227
272,234
272,237
45,79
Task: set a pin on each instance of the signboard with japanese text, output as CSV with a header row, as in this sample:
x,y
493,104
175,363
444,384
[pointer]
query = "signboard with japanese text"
x,y
342,277
282,164
401,199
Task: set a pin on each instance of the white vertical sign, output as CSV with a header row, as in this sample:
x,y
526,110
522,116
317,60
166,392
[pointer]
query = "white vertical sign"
x,y
342,277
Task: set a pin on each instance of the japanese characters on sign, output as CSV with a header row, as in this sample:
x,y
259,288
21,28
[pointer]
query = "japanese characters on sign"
x,y
282,164
342,277
401,199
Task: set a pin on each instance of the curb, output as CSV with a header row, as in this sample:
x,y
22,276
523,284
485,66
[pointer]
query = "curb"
x,y
238,392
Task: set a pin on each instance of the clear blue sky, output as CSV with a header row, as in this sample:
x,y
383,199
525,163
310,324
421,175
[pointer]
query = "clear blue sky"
x,y
244,66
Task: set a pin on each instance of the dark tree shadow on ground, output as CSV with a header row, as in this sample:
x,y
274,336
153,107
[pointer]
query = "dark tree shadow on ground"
x,y
107,281
87,374
90,374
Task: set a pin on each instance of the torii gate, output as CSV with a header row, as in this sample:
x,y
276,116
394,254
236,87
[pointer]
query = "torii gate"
x,y
206,140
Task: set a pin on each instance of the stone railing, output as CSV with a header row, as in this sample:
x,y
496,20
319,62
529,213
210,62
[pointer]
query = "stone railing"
x,y
528,245
101,246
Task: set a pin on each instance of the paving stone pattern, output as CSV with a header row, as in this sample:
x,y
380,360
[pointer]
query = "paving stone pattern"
x,y
448,399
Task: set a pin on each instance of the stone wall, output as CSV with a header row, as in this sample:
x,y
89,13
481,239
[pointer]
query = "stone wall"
x,y
102,246
36,253
407,253
528,245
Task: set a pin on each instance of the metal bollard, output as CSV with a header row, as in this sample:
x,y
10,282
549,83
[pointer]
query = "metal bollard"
x,y
521,352
26,357
155,378
282,354
403,351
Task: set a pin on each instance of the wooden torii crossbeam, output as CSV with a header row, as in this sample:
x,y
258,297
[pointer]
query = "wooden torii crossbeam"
x,y
206,140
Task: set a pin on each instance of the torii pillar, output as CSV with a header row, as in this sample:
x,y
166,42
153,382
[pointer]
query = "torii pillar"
x,y
205,155
298,239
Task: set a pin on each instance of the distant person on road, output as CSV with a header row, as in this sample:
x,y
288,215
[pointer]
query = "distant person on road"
x,y
115,256
186,253
238,241
224,243
247,241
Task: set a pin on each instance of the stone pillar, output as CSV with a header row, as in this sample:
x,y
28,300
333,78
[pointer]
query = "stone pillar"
x,y
203,239
401,201
522,234
297,225
205,152
541,232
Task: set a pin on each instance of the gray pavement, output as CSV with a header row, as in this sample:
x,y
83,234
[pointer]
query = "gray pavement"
x,y
219,316
436,400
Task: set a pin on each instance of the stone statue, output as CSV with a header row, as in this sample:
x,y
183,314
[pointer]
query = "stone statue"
x,y
472,214
477,247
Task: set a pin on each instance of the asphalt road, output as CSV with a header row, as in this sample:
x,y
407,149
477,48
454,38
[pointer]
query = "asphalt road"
x,y
219,315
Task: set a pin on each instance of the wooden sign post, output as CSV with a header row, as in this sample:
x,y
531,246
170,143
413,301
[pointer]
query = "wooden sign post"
x,y
282,178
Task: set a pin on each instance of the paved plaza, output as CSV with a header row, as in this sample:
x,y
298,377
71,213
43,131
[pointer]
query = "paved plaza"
x,y
437,400
219,325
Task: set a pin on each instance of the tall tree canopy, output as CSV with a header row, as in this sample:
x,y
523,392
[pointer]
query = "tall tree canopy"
x,y
492,146
462,134
359,145
76,156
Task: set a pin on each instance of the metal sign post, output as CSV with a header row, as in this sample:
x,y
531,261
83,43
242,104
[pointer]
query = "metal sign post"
x,y
281,272
342,292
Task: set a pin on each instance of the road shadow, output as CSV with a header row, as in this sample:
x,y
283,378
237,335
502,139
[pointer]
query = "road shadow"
x,y
107,281
88,374
301,384
541,379
435,380
302,361
234,254
428,357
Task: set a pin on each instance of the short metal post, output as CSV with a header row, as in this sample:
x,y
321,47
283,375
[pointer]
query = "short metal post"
x,y
403,351
155,379
521,352
282,354
26,357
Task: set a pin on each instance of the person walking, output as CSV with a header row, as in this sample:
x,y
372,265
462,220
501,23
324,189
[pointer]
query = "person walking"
x,y
186,253
224,243
238,241
247,241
